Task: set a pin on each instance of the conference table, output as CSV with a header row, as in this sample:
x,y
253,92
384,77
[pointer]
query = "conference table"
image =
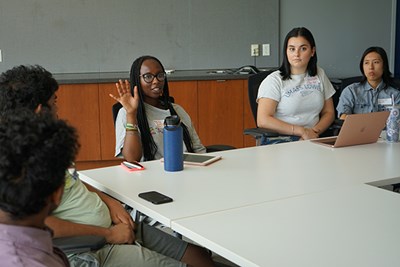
x,y
293,204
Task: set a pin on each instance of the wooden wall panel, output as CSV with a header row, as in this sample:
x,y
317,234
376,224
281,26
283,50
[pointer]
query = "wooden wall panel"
x,y
248,117
185,94
221,112
106,120
79,105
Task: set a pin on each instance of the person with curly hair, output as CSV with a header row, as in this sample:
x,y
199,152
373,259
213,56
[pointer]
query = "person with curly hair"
x,y
35,152
31,87
84,210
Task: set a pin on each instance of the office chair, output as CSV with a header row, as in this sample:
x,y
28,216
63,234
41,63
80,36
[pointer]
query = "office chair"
x,y
79,249
344,82
79,244
211,148
349,80
115,108
254,82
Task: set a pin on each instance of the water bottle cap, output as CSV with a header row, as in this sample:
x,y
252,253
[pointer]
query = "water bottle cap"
x,y
173,120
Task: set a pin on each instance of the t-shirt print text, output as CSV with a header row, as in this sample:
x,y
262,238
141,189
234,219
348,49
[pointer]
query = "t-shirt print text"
x,y
310,85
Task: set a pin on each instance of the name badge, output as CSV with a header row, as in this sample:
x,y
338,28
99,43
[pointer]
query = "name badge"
x,y
385,101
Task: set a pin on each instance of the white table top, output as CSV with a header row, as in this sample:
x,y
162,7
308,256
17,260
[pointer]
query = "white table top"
x,y
295,204
248,176
358,225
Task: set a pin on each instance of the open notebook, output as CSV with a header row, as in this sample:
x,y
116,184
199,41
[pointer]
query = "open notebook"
x,y
357,129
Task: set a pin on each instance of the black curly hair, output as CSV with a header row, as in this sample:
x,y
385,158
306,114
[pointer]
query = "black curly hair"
x,y
26,87
148,145
35,152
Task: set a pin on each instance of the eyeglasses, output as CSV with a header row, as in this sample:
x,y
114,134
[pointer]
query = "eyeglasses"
x,y
149,77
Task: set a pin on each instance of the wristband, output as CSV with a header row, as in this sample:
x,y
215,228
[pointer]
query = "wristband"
x,y
131,127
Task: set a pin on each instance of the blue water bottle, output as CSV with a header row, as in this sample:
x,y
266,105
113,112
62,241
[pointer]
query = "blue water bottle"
x,y
173,144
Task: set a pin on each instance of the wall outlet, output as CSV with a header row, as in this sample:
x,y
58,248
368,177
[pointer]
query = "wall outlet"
x,y
255,50
266,50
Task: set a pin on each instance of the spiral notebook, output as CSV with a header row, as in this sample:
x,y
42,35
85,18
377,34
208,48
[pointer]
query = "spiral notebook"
x,y
357,129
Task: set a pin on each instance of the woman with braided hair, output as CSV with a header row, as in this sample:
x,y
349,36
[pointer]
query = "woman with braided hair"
x,y
146,103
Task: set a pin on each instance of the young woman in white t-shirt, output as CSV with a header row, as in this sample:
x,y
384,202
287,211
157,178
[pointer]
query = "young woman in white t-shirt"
x,y
146,103
296,100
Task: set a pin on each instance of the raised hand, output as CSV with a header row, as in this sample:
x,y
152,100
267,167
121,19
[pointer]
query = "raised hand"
x,y
129,102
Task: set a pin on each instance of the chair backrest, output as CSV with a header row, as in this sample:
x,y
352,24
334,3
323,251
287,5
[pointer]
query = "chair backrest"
x,y
347,81
340,86
254,82
79,244
350,80
115,108
396,81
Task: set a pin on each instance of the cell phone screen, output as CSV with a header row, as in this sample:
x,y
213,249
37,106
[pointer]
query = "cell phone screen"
x,y
197,158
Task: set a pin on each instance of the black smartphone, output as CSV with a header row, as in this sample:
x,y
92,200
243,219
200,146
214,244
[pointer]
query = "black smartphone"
x,y
155,197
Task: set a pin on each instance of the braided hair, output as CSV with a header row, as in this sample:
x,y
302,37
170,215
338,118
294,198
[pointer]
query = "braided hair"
x,y
149,147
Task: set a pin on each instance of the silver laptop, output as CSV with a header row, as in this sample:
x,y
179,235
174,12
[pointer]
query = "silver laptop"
x,y
357,129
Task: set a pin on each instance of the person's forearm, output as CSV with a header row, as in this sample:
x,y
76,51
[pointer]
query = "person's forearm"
x,y
117,211
62,228
132,149
325,121
289,129
109,201
276,125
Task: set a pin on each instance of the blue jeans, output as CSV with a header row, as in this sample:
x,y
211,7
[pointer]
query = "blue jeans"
x,y
279,139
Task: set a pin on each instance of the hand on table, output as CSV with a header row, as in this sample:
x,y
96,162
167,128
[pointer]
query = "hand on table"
x,y
309,134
